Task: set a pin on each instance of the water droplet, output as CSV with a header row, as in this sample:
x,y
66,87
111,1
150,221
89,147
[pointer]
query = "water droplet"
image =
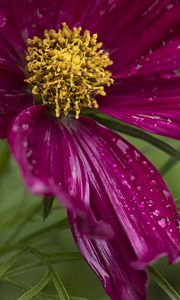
x,y
156,213
152,172
169,121
132,178
162,222
150,203
145,163
166,194
139,188
25,127
142,204
25,144
153,182
169,6
150,100
150,51
168,205
137,155
29,153
124,182
138,67
130,161
15,128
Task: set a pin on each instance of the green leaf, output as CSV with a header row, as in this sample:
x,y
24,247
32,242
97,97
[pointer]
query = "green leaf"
x,y
60,225
60,257
78,298
4,156
135,132
21,218
163,283
10,262
62,293
167,166
47,206
36,289
64,256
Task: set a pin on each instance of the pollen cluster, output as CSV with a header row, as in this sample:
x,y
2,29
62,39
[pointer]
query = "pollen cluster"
x,y
67,69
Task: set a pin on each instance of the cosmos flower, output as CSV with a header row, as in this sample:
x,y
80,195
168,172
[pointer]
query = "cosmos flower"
x,y
52,73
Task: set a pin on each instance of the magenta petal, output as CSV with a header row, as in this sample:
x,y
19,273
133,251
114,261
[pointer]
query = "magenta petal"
x,y
152,104
50,164
110,260
147,29
11,104
126,188
46,154
36,16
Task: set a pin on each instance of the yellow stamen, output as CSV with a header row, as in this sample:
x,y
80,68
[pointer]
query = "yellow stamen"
x,y
67,69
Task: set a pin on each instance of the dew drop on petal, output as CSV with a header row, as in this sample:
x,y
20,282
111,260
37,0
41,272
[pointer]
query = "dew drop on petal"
x,y
15,128
166,194
114,166
169,6
150,100
33,161
139,188
142,204
25,127
153,182
162,222
130,161
152,172
156,213
144,163
168,205
29,153
132,178
150,203
25,144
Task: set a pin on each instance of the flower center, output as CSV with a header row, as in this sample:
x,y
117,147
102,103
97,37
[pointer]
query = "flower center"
x,y
67,69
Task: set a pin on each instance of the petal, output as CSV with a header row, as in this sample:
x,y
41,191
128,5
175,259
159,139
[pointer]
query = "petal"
x,y
50,164
13,97
66,158
110,260
44,149
36,16
11,76
11,104
152,104
126,188
148,29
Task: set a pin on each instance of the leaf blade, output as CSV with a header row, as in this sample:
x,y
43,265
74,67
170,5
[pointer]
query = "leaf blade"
x,y
37,288
164,284
60,288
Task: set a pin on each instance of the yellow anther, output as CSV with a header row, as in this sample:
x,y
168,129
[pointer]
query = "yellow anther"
x,y
68,69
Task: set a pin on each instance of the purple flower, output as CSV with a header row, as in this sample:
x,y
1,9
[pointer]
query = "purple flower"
x,y
121,213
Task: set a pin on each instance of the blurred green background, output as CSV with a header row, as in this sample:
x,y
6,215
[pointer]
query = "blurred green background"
x,y
21,219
